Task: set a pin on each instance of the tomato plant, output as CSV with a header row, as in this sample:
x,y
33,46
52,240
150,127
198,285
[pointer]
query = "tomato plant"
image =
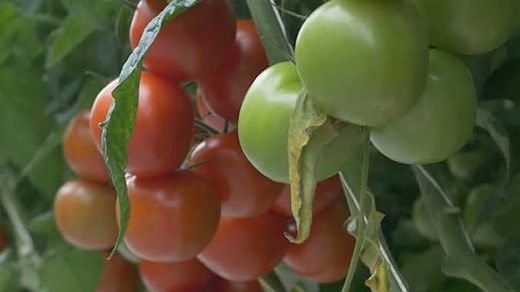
x,y
263,126
469,29
119,275
440,123
325,256
181,49
243,191
189,275
163,128
85,214
185,216
357,71
81,152
326,192
238,253
224,88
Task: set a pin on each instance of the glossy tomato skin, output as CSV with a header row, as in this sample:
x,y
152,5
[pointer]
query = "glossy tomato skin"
x,y
244,249
263,126
163,130
119,275
192,44
370,66
243,191
224,88
85,214
325,256
326,192
183,276
172,217
81,153
441,121
469,27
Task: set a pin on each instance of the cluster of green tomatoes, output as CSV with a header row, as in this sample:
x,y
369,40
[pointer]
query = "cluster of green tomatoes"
x,y
393,66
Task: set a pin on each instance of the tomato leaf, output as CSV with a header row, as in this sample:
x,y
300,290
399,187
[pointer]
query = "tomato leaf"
x,y
488,122
305,119
119,125
69,35
461,261
64,270
508,261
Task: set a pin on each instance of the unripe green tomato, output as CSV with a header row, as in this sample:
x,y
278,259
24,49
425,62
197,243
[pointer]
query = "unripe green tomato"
x,y
363,61
263,126
441,121
469,27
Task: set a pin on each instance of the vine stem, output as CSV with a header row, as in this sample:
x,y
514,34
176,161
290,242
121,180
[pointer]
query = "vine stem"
x,y
25,245
363,200
272,31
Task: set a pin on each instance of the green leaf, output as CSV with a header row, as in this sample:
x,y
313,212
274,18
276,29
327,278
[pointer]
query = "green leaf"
x,y
99,16
507,210
8,272
70,269
24,128
461,260
508,261
120,122
303,162
488,122
69,35
423,270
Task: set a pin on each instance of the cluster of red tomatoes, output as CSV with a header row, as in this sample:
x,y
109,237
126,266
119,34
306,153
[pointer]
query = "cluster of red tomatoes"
x,y
202,217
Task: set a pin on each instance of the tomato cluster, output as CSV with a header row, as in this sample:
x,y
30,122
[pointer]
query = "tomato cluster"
x,y
202,217
392,66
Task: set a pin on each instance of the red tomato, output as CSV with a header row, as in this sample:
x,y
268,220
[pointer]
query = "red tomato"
x,y
223,285
225,88
326,192
163,128
190,45
244,249
85,216
207,116
243,191
81,152
119,275
3,238
185,276
172,218
325,256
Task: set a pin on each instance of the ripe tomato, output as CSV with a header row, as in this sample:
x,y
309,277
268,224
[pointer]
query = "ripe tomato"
x,y
184,276
224,88
354,67
223,285
119,275
85,216
263,126
244,249
163,127
326,192
243,191
172,217
192,44
469,27
207,116
440,123
325,256
81,152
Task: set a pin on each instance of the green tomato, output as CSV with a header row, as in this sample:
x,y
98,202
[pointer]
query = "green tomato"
x,y
469,27
263,126
442,120
363,61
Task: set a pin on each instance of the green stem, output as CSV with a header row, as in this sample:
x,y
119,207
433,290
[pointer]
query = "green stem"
x,y
363,210
272,283
271,29
461,261
25,245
